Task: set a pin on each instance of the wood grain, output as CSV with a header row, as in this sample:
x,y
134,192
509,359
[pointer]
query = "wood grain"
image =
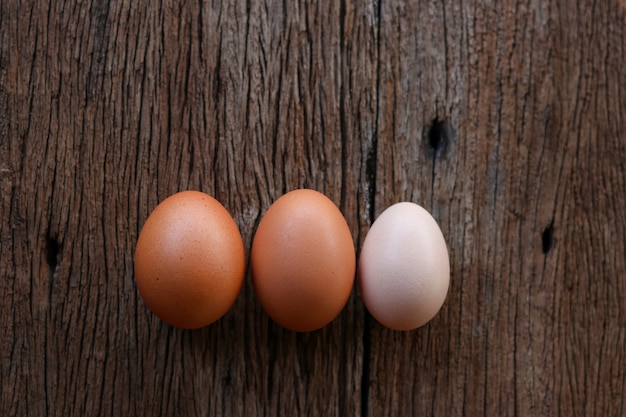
x,y
531,153
505,119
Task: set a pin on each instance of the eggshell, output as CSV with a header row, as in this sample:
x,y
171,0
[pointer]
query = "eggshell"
x,y
189,260
404,270
303,261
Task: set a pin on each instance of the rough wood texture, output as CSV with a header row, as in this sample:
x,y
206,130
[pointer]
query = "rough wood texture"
x,y
505,119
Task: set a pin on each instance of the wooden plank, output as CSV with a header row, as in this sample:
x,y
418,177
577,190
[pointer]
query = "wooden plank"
x,y
504,119
110,107
526,179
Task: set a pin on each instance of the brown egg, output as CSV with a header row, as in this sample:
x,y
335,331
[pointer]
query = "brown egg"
x,y
189,260
303,261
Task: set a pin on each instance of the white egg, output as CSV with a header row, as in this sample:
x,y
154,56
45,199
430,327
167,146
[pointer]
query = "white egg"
x,y
404,269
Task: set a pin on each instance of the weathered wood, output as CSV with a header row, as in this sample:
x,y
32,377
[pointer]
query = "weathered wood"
x,y
505,119
528,184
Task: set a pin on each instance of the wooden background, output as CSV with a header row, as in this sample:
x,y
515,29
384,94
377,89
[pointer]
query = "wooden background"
x,y
506,119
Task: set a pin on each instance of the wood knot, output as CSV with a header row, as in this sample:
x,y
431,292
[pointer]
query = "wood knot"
x,y
547,238
52,254
437,136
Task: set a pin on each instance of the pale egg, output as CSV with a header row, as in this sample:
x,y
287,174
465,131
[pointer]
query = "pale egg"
x,y
404,269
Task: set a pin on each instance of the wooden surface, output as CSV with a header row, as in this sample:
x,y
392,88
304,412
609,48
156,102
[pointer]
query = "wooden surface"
x,y
505,119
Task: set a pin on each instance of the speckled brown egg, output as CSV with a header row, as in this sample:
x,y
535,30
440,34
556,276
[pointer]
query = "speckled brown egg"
x,y
303,261
189,260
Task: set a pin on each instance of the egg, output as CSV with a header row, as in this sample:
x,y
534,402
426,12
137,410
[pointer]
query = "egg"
x,y
303,261
189,260
404,269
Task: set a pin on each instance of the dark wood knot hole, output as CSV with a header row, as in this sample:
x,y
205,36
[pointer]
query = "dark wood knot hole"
x,y
437,136
52,253
547,239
